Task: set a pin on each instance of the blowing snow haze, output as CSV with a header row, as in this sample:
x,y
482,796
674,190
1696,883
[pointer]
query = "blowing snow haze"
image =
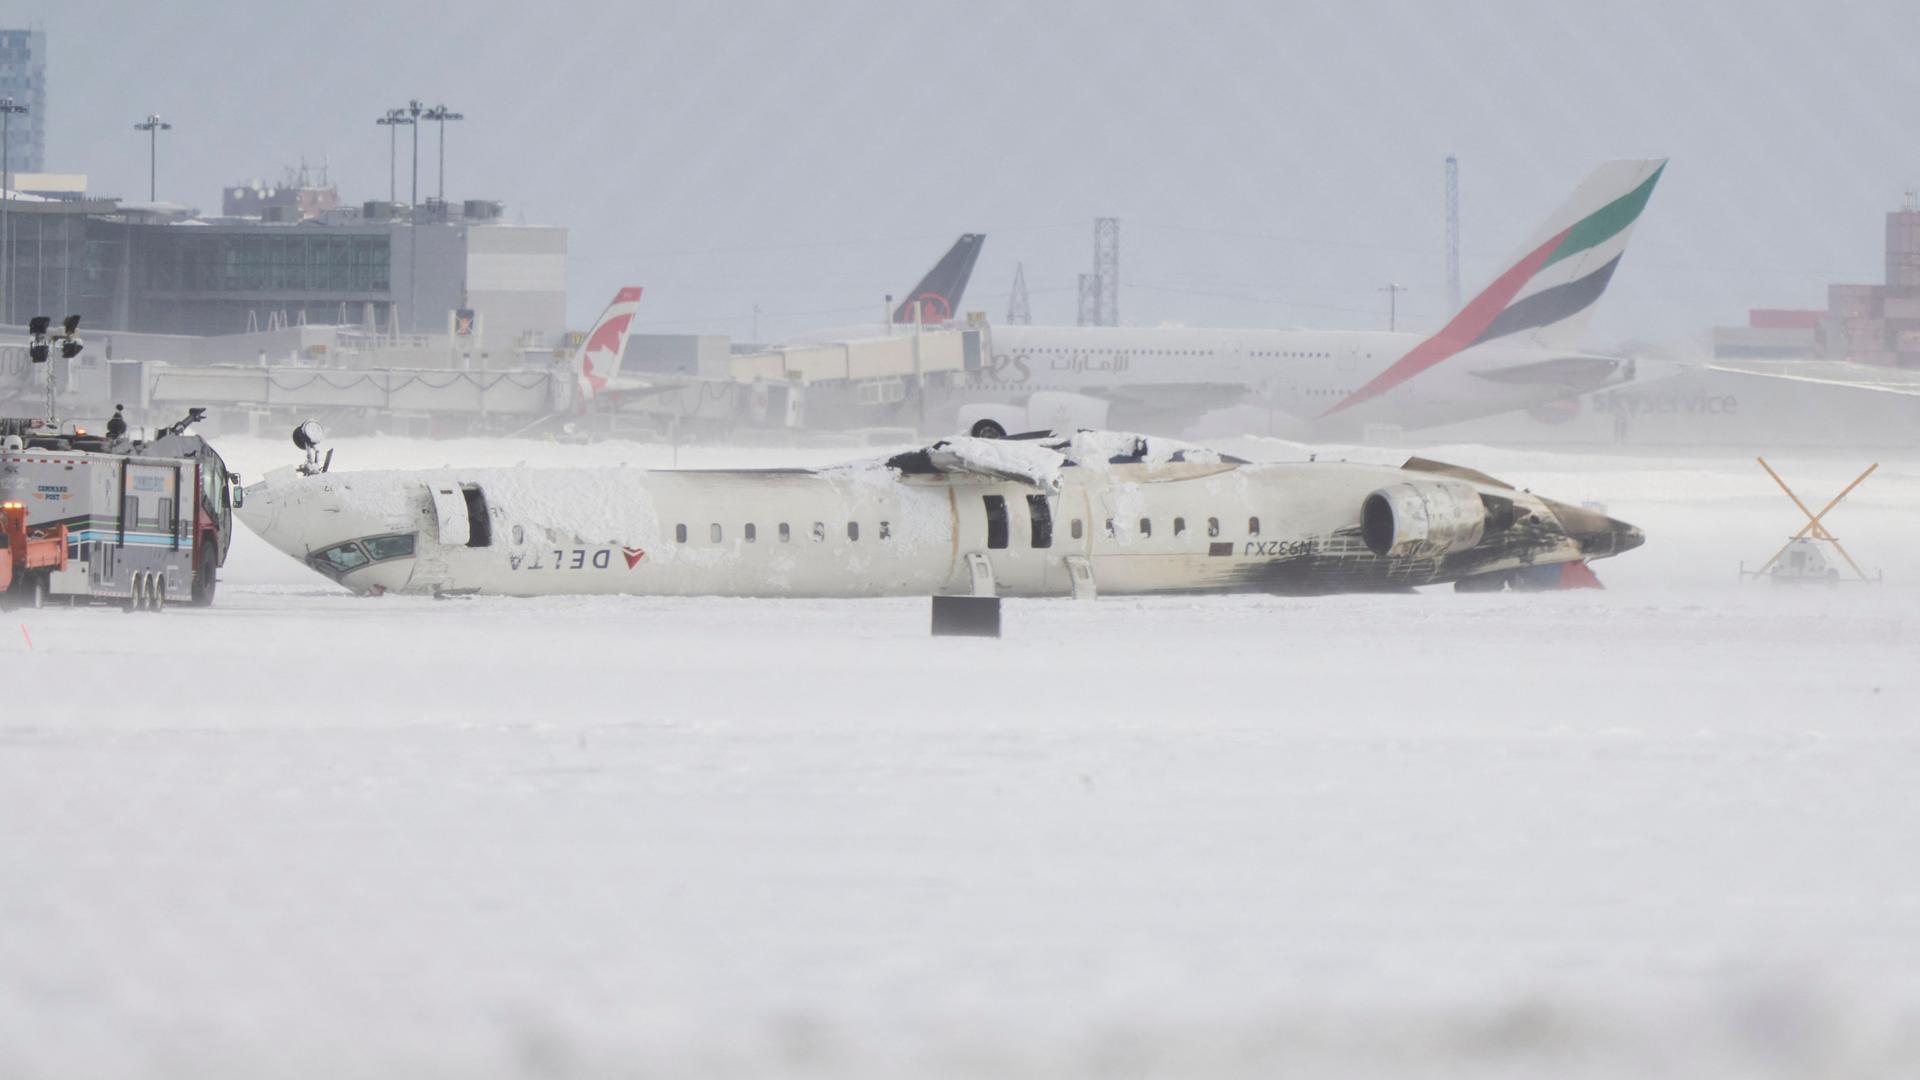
x,y
1273,164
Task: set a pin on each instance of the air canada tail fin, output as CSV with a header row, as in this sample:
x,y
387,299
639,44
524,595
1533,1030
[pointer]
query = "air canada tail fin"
x,y
1545,297
938,295
598,358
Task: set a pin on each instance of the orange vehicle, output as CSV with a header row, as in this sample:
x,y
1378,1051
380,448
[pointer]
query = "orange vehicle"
x,y
30,555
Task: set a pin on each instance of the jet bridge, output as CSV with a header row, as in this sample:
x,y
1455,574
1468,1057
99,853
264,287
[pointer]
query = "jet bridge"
x,y
903,355
403,390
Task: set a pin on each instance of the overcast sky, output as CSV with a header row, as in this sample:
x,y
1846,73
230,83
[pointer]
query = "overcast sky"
x,y
1272,164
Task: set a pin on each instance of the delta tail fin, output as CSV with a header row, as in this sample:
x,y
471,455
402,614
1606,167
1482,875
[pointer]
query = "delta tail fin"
x,y
598,358
1545,298
937,296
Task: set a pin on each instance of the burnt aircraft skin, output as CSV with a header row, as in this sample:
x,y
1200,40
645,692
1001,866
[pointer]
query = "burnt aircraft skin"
x,y
1135,515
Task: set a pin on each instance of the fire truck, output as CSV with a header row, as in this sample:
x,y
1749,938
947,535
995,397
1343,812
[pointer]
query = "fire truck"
x,y
140,521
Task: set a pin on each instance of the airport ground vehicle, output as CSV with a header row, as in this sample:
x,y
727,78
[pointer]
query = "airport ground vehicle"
x,y
98,518
140,520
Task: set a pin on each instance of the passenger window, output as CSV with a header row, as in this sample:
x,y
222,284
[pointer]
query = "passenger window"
x,y
996,520
1213,526
1041,517
786,534
1112,532
1146,527
819,531
748,532
1253,526
713,532
1079,529
853,531
1179,526
886,531
519,535
679,534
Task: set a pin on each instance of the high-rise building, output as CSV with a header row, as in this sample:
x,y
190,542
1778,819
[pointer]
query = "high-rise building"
x,y
23,77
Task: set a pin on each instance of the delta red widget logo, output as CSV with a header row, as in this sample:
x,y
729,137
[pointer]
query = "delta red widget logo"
x,y
633,555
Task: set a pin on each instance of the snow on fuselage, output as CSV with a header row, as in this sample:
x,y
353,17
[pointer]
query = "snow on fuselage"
x,y
1145,523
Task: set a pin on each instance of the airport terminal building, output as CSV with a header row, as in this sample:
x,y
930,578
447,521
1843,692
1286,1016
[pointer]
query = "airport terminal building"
x,y
158,269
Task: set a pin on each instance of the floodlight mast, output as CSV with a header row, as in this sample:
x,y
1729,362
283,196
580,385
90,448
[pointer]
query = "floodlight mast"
x,y
392,121
414,109
40,351
153,126
441,114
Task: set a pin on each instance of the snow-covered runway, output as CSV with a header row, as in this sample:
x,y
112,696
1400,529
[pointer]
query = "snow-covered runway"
x,y
1666,829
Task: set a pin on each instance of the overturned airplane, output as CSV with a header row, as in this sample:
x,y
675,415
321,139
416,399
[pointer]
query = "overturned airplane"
x,y
964,519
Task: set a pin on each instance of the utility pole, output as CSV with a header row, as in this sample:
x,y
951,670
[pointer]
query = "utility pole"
x,y
1393,290
8,110
1018,312
153,126
392,122
1453,233
1106,269
442,114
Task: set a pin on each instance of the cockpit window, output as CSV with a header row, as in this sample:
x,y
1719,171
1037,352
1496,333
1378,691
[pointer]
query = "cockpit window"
x,y
341,558
389,547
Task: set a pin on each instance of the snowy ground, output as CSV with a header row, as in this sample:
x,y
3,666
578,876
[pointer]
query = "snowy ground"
x,y
1669,829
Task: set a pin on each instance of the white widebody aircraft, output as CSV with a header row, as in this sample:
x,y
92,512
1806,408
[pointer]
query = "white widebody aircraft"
x,y
1519,344
963,519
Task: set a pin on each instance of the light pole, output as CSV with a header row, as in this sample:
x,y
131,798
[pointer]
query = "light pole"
x,y
7,112
153,126
1393,289
414,109
442,114
392,122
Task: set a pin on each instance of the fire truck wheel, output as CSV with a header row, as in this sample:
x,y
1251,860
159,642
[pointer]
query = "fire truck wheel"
x,y
204,582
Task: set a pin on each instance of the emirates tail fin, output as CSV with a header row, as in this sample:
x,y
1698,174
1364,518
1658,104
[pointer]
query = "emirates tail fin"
x,y
1545,297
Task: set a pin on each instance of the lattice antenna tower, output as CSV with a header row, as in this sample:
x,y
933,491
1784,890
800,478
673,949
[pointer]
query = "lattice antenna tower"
x,y
1106,269
1089,300
1453,232
1018,313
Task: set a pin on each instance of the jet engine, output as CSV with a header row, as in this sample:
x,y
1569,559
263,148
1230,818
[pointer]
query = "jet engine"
x,y
1423,519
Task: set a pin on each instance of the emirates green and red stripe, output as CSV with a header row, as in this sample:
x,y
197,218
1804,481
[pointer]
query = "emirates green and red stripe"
x,y
1472,325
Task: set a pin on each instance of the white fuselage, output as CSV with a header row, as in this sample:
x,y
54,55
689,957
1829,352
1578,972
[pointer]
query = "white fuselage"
x,y
1300,375
1166,377
868,530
